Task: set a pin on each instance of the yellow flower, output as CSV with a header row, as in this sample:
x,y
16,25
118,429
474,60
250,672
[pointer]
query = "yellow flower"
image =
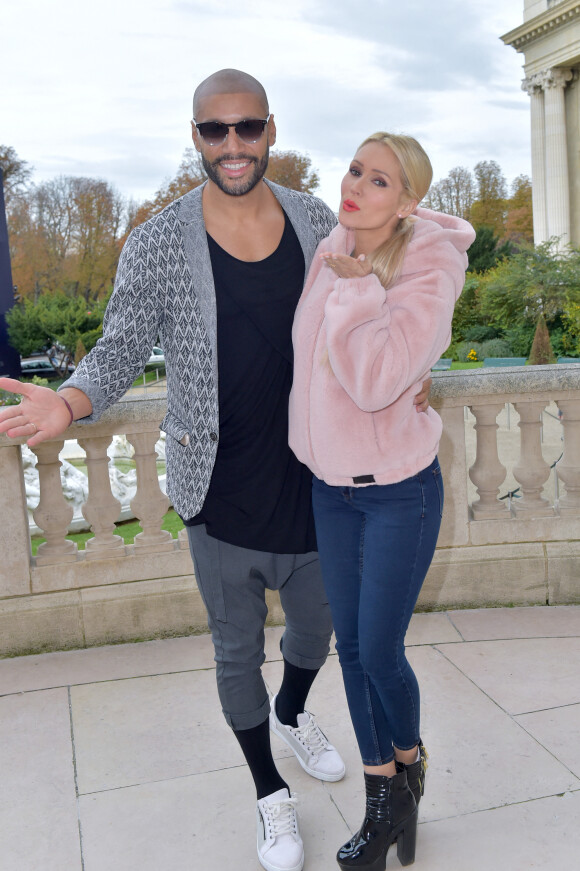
x,y
472,356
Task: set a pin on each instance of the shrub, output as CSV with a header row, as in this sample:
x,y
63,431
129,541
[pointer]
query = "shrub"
x,y
520,339
465,349
541,352
480,333
496,348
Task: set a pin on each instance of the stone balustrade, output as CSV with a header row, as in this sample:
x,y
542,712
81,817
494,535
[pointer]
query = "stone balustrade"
x,y
491,550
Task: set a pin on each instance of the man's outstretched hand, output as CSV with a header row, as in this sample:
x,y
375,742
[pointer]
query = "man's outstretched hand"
x,y
42,414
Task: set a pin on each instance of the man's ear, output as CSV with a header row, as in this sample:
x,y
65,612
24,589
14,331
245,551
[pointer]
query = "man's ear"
x,y
271,131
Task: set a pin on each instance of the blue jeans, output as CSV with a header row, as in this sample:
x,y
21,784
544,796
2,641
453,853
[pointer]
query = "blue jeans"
x,y
375,545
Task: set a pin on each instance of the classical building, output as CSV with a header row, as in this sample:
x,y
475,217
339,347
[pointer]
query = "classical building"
x,y
550,41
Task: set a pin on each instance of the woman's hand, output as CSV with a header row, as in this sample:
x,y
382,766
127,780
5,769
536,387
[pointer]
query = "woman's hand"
x,y
344,266
41,414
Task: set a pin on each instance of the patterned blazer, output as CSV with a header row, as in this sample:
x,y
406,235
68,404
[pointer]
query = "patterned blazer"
x,y
164,288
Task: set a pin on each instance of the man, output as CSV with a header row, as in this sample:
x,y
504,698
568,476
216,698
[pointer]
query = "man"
x,y
217,276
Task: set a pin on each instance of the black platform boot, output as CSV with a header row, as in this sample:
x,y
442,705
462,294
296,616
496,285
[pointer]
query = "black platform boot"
x,y
416,772
391,815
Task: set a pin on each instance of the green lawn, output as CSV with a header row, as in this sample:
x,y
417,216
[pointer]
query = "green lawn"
x,y
149,375
457,365
128,529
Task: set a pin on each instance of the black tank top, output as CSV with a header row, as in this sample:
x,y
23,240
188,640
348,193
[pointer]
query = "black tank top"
x,y
260,495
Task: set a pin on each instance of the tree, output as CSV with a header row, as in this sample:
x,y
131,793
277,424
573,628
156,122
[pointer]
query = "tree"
x,y
293,170
453,194
485,251
520,222
532,282
541,352
571,322
489,207
64,235
189,175
17,174
55,320
466,314
285,167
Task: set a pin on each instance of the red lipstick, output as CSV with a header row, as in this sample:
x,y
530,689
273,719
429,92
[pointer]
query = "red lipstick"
x,y
349,206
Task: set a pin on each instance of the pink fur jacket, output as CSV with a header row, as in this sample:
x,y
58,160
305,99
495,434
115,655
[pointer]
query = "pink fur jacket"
x,y
361,353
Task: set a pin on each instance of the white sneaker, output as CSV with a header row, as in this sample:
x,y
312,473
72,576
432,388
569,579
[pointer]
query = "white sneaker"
x,y
314,753
280,846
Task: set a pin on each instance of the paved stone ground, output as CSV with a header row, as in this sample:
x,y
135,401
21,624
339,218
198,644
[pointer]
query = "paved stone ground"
x,y
118,758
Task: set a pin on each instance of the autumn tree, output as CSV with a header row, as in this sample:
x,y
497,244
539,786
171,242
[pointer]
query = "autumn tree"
x,y
541,352
519,222
189,175
287,168
292,170
489,206
64,235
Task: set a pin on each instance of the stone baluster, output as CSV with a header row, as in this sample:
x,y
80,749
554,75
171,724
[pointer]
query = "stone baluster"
x,y
53,514
149,503
554,82
183,539
101,509
569,466
533,86
487,473
532,471
14,528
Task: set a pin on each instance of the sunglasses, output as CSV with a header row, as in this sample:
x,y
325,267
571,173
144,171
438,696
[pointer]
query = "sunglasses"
x,y
216,132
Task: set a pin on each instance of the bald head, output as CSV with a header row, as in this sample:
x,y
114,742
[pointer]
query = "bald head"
x,y
229,82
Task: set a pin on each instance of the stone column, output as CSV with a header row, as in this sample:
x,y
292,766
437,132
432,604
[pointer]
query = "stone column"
x,y
533,87
557,185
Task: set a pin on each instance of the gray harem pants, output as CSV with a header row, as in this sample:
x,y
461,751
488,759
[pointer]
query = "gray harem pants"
x,y
233,582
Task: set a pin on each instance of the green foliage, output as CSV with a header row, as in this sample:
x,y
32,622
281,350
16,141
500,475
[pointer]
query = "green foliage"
x,y
520,338
496,348
8,398
466,315
54,319
481,333
534,281
490,348
571,323
485,251
465,351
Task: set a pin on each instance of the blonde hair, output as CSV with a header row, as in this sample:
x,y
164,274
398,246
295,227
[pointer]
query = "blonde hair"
x,y
416,176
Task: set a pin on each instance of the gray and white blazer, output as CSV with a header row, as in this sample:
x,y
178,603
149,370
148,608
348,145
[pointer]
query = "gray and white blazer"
x,y
164,288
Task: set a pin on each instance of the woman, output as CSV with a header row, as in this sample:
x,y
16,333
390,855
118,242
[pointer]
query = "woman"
x,y
374,317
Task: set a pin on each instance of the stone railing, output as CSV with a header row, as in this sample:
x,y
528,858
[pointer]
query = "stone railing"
x,y
491,550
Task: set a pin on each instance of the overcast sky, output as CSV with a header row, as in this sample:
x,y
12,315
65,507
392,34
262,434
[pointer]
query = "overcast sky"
x,y
104,89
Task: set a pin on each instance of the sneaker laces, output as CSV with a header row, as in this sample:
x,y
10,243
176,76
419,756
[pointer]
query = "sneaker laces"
x,y
281,817
311,735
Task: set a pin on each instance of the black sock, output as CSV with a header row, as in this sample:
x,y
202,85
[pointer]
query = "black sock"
x,y
255,744
291,698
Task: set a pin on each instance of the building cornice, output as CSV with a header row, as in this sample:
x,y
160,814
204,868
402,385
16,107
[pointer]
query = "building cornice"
x,y
542,25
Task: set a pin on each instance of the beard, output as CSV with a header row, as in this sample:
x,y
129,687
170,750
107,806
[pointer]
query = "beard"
x,y
236,187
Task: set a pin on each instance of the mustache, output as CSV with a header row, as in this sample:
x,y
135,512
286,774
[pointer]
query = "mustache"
x,y
227,158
